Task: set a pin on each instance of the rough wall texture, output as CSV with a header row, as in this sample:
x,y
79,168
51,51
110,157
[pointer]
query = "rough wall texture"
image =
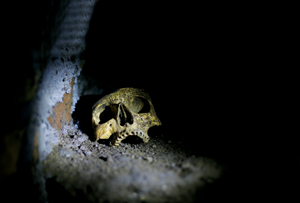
x,y
57,92
62,111
41,29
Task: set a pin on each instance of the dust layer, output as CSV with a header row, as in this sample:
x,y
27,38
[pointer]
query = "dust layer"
x,y
79,169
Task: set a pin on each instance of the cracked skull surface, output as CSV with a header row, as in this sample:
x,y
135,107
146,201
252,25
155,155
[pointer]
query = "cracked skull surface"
x,y
125,112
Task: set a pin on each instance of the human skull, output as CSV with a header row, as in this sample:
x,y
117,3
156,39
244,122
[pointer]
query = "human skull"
x,y
125,112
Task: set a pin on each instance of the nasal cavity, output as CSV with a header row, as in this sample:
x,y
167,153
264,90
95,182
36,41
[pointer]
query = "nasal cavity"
x,y
125,115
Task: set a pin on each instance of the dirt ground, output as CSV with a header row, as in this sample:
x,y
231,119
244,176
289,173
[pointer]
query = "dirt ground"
x,y
158,171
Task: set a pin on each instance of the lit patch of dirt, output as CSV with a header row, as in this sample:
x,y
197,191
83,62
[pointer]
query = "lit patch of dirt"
x,y
79,169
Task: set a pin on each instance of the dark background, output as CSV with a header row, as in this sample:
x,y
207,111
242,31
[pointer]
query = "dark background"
x,y
194,63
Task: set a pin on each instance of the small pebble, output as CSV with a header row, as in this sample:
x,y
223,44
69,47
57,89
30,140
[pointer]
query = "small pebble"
x,y
82,138
88,153
149,159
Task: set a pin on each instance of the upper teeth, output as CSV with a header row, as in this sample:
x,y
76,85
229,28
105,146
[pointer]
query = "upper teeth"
x,y
123,135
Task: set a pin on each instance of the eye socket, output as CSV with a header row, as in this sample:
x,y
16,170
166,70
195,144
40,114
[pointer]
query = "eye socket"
x,y
109,112
140,105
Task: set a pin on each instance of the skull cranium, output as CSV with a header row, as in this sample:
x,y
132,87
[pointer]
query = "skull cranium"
x,y
125,112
